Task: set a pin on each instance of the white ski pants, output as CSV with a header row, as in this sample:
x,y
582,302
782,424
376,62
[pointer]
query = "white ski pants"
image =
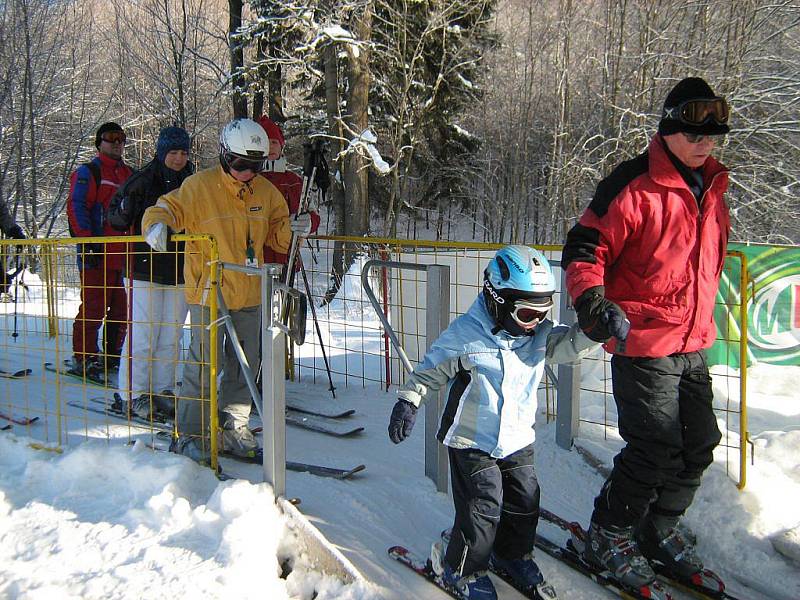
x,y
150,353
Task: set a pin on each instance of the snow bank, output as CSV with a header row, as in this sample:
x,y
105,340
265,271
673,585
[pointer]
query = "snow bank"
x,y
115,522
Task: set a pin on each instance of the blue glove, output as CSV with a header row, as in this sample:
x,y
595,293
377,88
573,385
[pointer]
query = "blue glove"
x,y
404,414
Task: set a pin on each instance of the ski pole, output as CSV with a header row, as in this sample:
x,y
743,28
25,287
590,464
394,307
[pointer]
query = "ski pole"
x,y
317,327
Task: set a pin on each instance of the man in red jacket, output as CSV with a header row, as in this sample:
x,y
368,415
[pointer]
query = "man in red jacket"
x,y
289,184
643,266
92,186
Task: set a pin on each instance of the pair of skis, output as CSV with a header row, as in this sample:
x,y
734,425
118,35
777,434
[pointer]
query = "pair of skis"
x,y
21,374
67,371
570,556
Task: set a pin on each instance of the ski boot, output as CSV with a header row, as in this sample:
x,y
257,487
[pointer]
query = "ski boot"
x,y
188,446
670,547
476,586
524,574
613,549
143,408
90,368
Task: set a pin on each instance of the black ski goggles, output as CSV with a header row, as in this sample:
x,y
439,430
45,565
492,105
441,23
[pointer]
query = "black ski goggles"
x,y
699,112
240,163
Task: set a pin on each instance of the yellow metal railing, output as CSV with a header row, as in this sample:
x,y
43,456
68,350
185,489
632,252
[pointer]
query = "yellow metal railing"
x,y
42,318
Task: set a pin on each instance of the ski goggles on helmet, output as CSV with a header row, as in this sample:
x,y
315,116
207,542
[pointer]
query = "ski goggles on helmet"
x,y
699,112
528,314
240,163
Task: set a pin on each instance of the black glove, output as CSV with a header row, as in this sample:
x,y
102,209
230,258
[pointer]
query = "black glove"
x,y
16,232
404,414
91,255
599,318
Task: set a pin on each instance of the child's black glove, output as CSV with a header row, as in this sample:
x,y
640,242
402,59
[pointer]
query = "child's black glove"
x,y
404,414
601,319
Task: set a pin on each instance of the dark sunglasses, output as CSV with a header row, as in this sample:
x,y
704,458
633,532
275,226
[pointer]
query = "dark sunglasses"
x,y
238,163
700,112
696,138
114,138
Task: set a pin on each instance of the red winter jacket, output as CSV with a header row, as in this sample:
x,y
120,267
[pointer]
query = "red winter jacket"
x,y
88,203
658,255
291,186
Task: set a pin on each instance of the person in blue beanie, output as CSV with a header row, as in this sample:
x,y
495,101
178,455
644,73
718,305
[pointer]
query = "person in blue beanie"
x,y
155,283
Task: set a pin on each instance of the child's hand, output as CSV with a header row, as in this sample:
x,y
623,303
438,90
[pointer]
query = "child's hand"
x,y
404,414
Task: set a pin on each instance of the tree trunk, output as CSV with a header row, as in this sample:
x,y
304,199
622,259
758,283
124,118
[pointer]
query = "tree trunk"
x,y
237,60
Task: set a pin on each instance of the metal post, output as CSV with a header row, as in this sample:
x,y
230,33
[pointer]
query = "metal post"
x,y
437,303
272,385
568,403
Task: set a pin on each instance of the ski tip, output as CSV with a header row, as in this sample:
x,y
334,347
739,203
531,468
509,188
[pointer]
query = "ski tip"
x,y
398,550
353,471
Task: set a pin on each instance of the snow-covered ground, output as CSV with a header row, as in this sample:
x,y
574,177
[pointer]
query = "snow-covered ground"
x,y
105,520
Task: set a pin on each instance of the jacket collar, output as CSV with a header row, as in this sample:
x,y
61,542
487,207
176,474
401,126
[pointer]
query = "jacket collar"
x,y
235,187
107,161
663,172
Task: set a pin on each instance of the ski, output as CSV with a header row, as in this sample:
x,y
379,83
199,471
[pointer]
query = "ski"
x,y
221,475
118,407
421,566
318,413
100,382
18,420
134,421
695,587
319,470
543,591
5,427
310,423
22,373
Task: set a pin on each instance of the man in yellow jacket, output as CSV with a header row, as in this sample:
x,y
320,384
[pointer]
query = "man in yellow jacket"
x,y
243,212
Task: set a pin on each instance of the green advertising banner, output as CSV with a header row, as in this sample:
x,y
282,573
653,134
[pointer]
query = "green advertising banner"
x,y
773,307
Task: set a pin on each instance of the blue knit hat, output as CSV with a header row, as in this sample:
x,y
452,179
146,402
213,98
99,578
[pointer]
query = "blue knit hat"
x,y
172,138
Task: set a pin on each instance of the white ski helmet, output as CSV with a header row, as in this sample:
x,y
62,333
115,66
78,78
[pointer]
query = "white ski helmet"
x,y
243,144
518,288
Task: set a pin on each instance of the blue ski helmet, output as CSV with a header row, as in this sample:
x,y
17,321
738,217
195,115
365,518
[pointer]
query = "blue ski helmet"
x,y
517,273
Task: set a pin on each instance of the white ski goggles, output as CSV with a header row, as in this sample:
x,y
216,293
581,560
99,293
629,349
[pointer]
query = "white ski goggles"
x,y
529,314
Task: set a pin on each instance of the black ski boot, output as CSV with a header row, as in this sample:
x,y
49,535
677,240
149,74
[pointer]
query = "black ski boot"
x,y
670,547
613,549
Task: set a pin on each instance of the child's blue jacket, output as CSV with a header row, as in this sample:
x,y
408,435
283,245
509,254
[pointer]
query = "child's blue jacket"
x,y
491,379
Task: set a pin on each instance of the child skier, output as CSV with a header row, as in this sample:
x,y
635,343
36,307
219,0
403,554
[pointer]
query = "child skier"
x,y
492,359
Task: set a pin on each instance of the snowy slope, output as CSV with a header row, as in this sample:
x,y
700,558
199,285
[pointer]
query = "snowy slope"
x,y
107,520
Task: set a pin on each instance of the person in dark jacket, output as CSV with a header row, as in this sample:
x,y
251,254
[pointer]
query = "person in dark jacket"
x,y
8,225
92,185
154,280
647,254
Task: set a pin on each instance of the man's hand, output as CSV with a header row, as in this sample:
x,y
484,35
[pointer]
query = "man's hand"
x,y
601,319
157,237
300,224
91,255
404,415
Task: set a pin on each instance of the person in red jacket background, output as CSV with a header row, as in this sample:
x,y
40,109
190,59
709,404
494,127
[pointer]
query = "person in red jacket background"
x,y
289,184
92,186
647,255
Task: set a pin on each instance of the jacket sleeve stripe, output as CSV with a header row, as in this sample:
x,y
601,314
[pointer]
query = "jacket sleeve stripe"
x,y
582,243
81,201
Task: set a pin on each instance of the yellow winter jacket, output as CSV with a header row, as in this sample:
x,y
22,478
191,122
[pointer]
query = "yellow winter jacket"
x,y
212,202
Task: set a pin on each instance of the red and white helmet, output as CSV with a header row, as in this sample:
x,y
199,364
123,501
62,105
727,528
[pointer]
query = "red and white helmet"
x,y
243,145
